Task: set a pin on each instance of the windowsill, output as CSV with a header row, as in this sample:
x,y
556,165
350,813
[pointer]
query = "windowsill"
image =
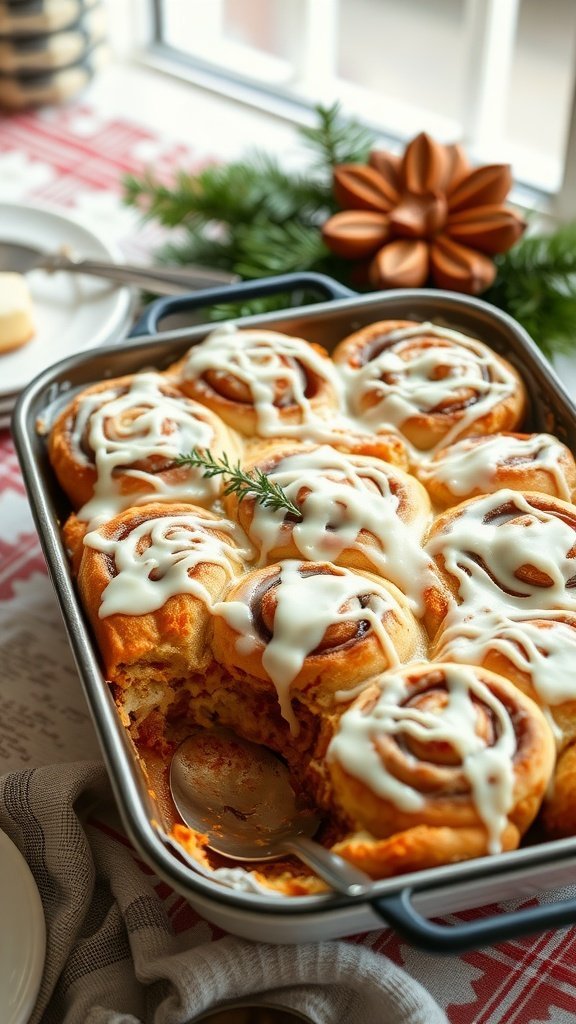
x,y
216,126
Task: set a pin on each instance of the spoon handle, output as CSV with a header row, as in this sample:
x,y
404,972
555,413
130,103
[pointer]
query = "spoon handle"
x,y
161,280
339,874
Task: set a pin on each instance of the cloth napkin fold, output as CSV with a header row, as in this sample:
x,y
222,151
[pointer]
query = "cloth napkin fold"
x,y
112,956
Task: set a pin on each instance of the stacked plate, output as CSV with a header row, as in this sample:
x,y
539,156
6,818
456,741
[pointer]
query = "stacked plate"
x,y
49,49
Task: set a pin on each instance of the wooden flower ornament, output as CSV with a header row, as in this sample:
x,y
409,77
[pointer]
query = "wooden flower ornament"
x,y
424,216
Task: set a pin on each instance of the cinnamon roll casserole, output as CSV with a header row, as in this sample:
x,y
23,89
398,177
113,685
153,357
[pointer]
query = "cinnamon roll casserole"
x,y
401,630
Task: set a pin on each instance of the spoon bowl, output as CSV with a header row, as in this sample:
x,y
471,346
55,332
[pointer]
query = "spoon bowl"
x,y
239,795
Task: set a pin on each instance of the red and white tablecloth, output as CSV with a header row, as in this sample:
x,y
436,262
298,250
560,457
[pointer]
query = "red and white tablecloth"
x,y
73,158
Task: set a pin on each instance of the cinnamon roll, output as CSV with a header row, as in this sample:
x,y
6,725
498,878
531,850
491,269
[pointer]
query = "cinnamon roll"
x,y
310,630
535,650
508,551
262,383
342,434
116,443
559,808
432,384
73,532
435,751
354,511
148,580
483,464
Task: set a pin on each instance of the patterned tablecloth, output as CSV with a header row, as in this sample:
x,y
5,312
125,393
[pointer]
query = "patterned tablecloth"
x,y
74,159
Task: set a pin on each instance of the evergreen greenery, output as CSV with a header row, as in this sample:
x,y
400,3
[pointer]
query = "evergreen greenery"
x,y
256,218
536,284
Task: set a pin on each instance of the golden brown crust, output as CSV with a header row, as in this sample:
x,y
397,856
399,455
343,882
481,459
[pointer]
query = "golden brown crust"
x,y
505,508
520,473
388,447
348,653
418,848
508,651
374,477
424,425
559,808
73,533
73,459
433,768
166,644
296,384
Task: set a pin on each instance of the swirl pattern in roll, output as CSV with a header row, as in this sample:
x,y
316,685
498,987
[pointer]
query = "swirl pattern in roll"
x,y
508,551
312,629
535,650
484,464
262,383
355,511
439,747
115,446
148,580
432,384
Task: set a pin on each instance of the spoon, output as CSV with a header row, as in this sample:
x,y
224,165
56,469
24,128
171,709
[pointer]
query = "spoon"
x,y
239,794
161,280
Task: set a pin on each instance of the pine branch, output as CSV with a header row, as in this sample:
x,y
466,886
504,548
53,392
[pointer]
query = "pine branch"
x,y
254,217
337,140
536,284
234,193
267,492
264,248
198,248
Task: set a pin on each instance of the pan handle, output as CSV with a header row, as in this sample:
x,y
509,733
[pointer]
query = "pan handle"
x,y
161,308
398,911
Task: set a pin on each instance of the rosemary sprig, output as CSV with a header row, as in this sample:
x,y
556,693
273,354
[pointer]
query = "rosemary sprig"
x,y
267,492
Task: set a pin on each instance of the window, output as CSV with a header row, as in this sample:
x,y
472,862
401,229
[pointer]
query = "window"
x,y
498,75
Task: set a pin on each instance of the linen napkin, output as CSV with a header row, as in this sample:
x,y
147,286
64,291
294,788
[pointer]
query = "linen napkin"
x,y
113,958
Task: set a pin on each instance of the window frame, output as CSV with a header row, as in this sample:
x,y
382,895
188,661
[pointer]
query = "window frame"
x,y
490,23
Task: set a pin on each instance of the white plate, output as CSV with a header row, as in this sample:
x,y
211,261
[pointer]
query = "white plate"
x,y
72,312
22,935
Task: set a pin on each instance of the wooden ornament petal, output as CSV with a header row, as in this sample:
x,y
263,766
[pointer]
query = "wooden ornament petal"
x,y
400,264
388,165
357,187
491,228
424,165
354,234
460,269
457,167
488,184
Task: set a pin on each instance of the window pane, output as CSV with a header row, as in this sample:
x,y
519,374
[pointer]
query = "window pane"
x,y
267,25
410,55
541,89
495,74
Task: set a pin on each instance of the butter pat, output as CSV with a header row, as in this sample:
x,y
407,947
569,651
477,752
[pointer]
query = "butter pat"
x,y
16,314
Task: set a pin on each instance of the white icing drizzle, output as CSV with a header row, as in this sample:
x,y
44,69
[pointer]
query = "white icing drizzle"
x,y
488,618
343,498
541,646
473,463
306,606
503,546
428,379
242,880
489,769
262,360
142,424
155,560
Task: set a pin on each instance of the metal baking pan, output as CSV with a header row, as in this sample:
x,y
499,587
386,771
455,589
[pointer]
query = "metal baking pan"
x,y
404,902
